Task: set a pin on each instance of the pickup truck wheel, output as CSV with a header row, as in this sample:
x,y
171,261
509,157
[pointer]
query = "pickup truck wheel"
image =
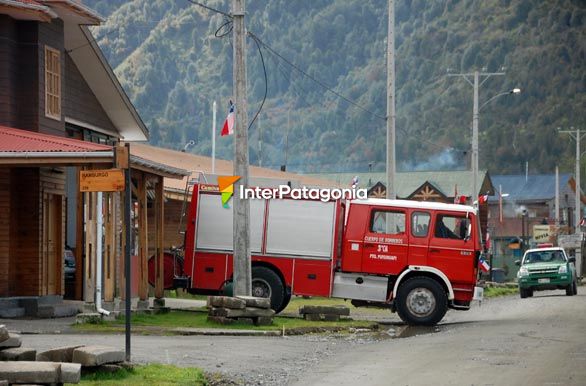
x,y
421,301
570,290
267,284
575,285
523,292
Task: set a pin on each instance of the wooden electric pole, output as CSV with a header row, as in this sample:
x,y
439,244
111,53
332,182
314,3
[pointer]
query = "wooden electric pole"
x,y
391,157
242,271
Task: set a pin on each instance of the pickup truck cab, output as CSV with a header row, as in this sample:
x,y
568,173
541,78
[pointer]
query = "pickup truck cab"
x,y
546,269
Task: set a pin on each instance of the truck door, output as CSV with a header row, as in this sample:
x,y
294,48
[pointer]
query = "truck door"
x,y
449,249
385,242
419,237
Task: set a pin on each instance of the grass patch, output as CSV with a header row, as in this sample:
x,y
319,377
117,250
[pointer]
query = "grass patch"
x,y
184,319
493,292
154,374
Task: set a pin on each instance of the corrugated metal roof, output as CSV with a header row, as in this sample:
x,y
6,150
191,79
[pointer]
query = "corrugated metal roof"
x,y
16,140
408,182
158,167
529,188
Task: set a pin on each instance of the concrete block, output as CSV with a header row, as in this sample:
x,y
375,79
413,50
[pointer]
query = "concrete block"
x,y
70,373
64,310
30,372
335,310
12,341
247,312
142,305
158,302
13,312
18,354
331,318
226,302
245,321
252,301
263,321
59,354
220,319
97,355
312,317
3,333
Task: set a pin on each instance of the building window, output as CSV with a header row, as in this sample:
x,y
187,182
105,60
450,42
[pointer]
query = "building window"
x,y
52,83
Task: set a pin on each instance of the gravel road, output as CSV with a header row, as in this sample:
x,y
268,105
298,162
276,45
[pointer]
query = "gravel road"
x,y
505,341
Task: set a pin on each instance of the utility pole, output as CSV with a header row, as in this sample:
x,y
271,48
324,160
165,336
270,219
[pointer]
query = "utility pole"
x,y
214,109
259,143
476,83
242,271
391,157
577,136
556,213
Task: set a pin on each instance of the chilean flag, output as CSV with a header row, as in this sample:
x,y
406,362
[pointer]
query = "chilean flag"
x,y
482,198
228,128
483,264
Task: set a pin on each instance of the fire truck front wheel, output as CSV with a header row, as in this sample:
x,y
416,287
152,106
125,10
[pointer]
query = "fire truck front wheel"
x,y
267,284
421,301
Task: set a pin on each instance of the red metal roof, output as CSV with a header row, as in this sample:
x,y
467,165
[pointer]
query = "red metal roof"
x,y
29,2
16,140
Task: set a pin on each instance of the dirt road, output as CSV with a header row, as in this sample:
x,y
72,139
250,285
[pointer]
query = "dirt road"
x,y
509,341
506,341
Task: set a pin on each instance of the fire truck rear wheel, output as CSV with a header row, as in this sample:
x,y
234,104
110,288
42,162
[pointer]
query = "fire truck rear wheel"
x,y
421,301
267,284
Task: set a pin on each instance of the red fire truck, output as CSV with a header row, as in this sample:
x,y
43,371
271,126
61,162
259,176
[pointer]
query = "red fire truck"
x,y
416,258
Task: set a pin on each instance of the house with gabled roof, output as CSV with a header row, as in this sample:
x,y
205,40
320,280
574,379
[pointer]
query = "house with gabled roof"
x,y
62,110
522,208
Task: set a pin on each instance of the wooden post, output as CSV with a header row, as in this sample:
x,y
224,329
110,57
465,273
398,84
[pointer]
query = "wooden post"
x,y
79,242
109,248
159,232
121,277
143,238
90,244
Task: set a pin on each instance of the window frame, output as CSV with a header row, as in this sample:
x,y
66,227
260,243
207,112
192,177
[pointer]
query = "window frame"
x,y
397,211
53,89
418,212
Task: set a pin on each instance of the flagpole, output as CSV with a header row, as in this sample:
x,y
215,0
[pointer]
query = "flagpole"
x,y
501,203
214,108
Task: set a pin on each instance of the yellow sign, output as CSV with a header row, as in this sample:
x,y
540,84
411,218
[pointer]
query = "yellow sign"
x,y
108,180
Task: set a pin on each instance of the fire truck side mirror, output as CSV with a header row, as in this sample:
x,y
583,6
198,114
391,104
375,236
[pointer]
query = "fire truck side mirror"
x,y
468,232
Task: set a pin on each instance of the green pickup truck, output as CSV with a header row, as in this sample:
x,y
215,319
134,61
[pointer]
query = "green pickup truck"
x,y
546,269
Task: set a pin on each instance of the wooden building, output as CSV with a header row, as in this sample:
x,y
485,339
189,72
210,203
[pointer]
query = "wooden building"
x,y
61,109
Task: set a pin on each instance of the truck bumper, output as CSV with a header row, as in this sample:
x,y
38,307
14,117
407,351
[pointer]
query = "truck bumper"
x,y
545,282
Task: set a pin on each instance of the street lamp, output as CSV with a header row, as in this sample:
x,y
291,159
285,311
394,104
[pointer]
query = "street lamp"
x,y
475,82
475,128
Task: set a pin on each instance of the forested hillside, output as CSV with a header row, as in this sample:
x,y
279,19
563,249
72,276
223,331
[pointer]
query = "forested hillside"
x,y
172,67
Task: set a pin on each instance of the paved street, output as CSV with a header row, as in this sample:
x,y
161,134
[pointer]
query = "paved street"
x,y
505,341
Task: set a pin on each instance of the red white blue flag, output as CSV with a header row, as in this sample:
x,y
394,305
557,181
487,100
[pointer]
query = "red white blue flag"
x,y
228,128
482,198
483,264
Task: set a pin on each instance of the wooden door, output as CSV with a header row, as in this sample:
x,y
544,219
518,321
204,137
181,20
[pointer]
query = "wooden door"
x,y
52,244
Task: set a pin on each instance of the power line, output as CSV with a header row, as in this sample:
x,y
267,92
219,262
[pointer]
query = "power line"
x,y
210,8
270,49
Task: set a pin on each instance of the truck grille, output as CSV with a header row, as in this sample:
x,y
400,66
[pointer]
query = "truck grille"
x,y
543,271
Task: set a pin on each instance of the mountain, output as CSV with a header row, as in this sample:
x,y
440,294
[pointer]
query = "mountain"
x,y
173,66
